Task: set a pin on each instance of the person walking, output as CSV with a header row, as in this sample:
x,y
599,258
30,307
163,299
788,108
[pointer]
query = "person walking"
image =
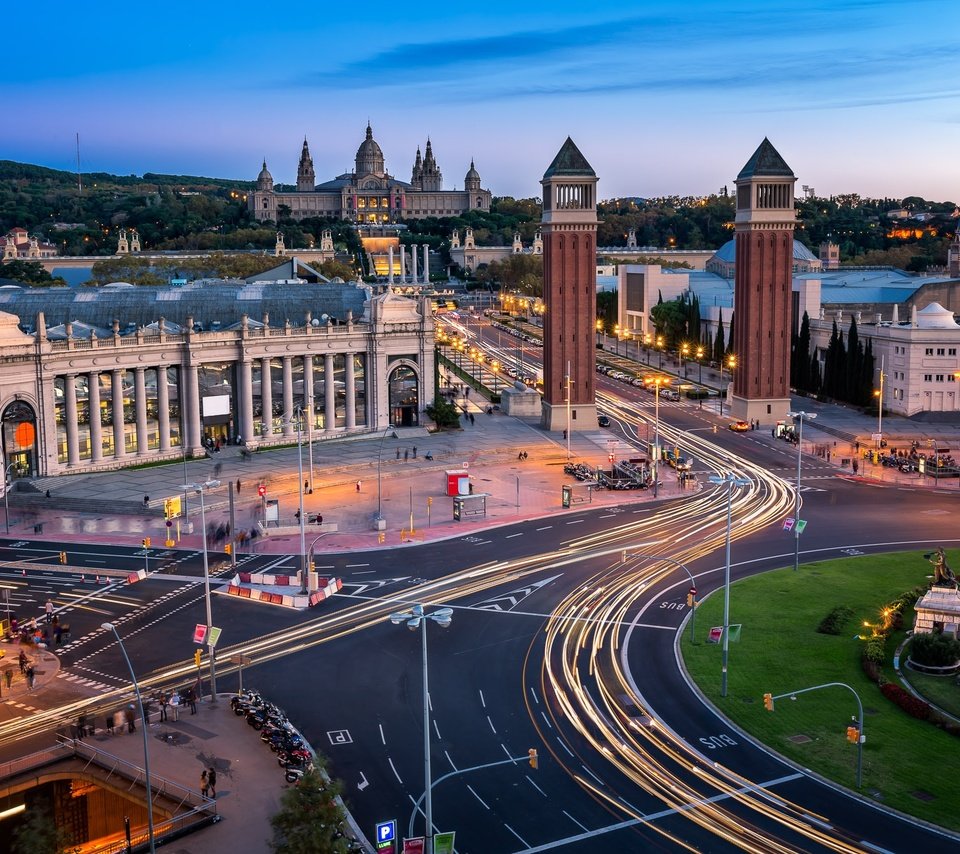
x,y
164,704
22,659
398,453
414,451
8,677
81,726
238,486
406,455
30,675
110,722
204,784
212,780
131,719
48,609
358,486
192,700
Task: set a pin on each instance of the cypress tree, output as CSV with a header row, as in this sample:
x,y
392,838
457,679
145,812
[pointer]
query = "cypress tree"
x,y
718,343
854,363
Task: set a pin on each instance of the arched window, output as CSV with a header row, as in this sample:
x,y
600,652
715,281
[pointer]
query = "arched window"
x,y
20,439
404,396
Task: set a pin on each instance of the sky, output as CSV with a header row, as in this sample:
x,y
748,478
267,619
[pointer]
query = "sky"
x,y
858,96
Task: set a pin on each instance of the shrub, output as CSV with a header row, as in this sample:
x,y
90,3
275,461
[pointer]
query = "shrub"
x,y
905,700
835,621
934,649
875,649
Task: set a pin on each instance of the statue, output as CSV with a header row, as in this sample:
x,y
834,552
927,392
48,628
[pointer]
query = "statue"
x,y
943,576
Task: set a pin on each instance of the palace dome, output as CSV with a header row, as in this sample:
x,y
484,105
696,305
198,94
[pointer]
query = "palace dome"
x,y
369,156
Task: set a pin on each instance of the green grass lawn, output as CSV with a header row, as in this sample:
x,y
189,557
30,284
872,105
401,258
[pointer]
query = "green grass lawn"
x,y
905,761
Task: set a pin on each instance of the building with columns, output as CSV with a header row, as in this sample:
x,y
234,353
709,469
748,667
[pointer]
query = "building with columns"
x,y
179,367
369,194
763,283
569,227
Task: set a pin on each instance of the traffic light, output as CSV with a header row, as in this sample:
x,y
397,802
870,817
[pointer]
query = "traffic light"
x,y
228,548
146,542
63,557
196,657
532,756
313,566
691,596
768,702
381,538
429,501
853,734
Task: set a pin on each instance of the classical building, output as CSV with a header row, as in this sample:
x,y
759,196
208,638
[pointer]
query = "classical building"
x,y
20,246
469,256
569,227
123,375
369,194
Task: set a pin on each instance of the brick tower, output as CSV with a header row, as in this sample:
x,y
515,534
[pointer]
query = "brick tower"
x,y
762,287
569,227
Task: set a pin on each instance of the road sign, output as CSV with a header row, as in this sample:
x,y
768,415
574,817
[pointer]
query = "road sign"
x,y
386,836
214,635
261,490
172,507
200,633
443,842
801,524
716,633
788,523
414,845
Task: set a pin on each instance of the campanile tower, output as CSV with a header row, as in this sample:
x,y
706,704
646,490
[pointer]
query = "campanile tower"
x,y
569,227
762,287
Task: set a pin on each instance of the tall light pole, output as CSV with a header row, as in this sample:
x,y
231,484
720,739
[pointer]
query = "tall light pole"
x,y
657,382
6,495
684,352
304,569
199,489
798,416
110,627
700,380
379,473
731,480
415,619
660,350
567,381
879,396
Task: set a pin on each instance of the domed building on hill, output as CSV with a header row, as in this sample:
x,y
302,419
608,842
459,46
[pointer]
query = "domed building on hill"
x,y
369,195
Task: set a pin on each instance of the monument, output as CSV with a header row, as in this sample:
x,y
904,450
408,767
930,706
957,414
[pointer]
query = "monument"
x,y
939,608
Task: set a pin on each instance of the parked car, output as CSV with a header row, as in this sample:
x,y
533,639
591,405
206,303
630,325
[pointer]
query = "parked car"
x,y
739,426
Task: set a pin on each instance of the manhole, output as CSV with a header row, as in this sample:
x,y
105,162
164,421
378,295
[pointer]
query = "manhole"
x,y
921,795
172,737
800,739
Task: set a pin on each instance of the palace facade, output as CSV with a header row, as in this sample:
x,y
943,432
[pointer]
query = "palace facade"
x,y
369,194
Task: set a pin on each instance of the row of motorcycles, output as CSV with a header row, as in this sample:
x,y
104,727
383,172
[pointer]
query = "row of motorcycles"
x,y
276,732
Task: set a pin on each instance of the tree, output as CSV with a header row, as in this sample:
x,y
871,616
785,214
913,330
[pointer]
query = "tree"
x,y
39,832
444,413
333,269
719,346
670,319
800,357
28,272
309,818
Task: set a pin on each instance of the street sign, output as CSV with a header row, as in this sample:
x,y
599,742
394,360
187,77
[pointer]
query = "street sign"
x,y
716,633
801,524
443,842
386,835
788,523
200,633
172,507
262,490
214,635
414,845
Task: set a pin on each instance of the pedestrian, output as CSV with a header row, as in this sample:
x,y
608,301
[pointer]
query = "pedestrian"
x,y
520,455
414,451
48,609
81,727
212,780
472,419
192,700
358,486
22,659
164,704
398,453
8,677
110,723
856,465
319,518
204,783
238,486
216,447
131,719
406,455
525,455
30,675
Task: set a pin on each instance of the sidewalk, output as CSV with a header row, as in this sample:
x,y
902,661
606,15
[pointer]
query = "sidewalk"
x,y
17,692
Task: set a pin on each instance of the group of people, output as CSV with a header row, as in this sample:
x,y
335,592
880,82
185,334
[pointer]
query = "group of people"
x,y
406,453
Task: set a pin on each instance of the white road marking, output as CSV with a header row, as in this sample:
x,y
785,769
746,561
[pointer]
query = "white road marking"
x,y
577,823
535,786
491,725
536,699
547,528
564,746
482,701
507,826
511,536
393,768
575,522
546,720
383,738
472,792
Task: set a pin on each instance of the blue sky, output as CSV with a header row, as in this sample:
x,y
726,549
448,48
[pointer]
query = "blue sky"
x,y
857,95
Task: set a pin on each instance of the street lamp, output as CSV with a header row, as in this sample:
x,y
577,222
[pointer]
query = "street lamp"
x,y
660,349
684,352
416,618
199,489
616,332
379,477
700,380
6,495
731,363
798,416
879,396
599,326
110,627
303,546
657,382
731,480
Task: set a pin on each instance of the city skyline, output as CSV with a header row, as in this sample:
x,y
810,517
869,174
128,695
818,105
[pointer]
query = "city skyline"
x,y
858,96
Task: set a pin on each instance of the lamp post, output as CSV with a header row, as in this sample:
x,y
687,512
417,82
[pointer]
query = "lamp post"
x,y
6,495
599,327
379,473
798,416
416,618
199,489
303,546
700,379
657,382
110,627
616,333
879,396
731,481
660,350
684,352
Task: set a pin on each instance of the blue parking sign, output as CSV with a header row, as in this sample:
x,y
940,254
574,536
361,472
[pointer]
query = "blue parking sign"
x,y
386,834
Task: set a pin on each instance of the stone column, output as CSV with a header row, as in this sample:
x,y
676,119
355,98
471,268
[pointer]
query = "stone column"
x,y
194,421
413,263
96,431
73,441
348,378
140,391
163,408
266,397
426,264
288,427
329,401
390,264
116,391
246,401
308,389
403,263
